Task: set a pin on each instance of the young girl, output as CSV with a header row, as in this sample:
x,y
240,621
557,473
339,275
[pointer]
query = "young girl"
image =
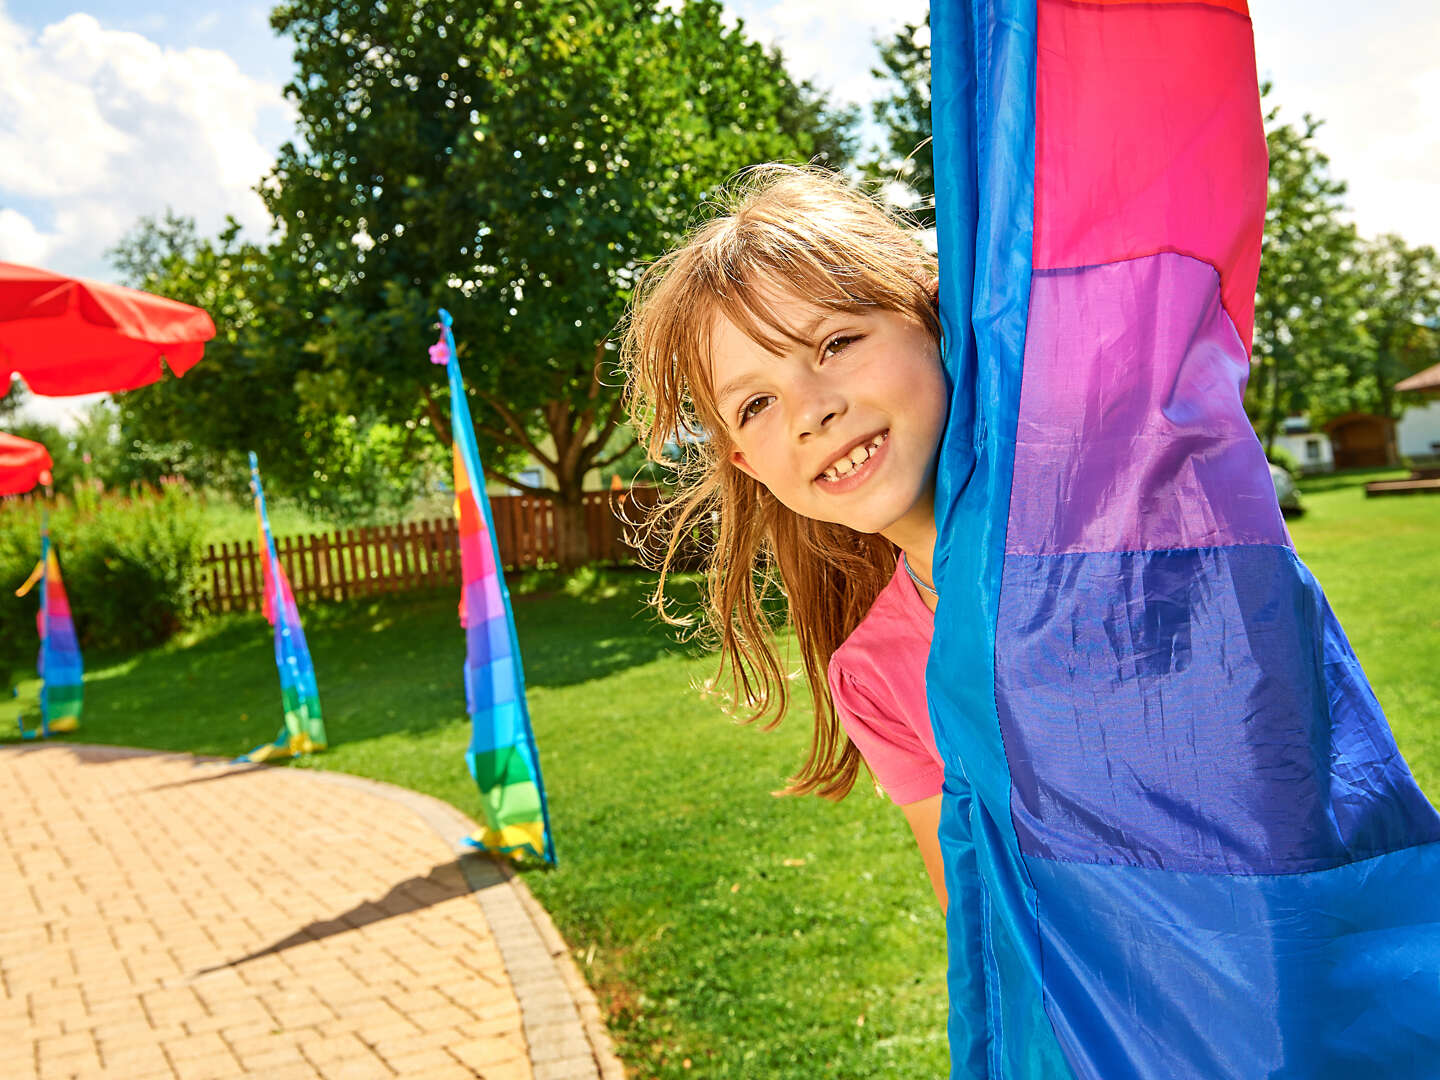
x,y
796,336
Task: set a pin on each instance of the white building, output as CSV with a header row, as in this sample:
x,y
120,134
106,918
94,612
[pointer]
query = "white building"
x,y
1311,450
1418,432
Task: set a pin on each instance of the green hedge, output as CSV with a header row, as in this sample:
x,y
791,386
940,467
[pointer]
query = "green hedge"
x,y
129,562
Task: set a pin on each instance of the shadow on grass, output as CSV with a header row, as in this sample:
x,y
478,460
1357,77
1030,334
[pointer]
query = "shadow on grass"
x,y
388,665
1347,478
445,882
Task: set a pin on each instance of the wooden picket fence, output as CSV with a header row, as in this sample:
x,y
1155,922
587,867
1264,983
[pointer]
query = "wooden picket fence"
x,y
379,559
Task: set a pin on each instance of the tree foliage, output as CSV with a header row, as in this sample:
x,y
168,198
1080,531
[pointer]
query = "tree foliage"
x,y
1400,311
1308,340
907,153
514,163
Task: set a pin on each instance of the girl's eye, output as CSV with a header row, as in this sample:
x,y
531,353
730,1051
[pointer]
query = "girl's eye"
x,y
753,408
838,344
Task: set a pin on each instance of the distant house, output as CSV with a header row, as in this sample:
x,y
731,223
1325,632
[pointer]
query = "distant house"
x,y
1362,440
1311,450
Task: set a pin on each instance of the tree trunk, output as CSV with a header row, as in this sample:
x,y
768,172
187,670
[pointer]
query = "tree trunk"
x,y
572,539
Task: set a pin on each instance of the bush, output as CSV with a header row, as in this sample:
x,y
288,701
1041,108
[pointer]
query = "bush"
x,y
129,564
1286,460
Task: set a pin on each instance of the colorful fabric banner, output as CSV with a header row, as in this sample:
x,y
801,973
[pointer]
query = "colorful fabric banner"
x,y
1179,839
502,757
61,667
304,729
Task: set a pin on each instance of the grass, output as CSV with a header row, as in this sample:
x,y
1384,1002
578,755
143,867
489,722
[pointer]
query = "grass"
x,y
1379,563
747,934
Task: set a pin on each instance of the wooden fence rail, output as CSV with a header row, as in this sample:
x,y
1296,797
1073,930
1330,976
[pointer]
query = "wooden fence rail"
x,y
378,559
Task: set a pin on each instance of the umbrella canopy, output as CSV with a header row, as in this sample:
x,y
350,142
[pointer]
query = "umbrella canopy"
x,y
68,336
23,464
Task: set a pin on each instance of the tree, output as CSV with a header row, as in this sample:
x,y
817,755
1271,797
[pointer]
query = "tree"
x,y
1307,336
515,163
904,114
1400,312
256,389
153,244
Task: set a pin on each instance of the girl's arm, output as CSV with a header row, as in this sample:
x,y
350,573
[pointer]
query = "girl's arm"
x,y
924,818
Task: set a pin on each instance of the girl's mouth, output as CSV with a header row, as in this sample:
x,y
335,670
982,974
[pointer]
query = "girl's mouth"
x,y
851,469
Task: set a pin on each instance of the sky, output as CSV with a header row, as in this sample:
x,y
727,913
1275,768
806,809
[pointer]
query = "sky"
x,y
113,109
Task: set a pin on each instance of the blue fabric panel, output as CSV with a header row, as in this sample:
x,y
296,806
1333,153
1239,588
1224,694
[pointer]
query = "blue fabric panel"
x,y
505,728
1330,975
488,641
61,669
982,102
1172,709
489,686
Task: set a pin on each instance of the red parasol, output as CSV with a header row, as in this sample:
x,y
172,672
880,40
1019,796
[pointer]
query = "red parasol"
x,y
23,464
70,336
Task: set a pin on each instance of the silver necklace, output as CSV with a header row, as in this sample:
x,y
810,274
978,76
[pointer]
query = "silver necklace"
x,y
916,578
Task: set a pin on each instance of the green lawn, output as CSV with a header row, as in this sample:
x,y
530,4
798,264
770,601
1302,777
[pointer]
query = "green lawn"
x,y
754,936
1379,562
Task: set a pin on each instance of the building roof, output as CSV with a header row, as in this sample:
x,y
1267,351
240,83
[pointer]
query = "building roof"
x,y
1429,379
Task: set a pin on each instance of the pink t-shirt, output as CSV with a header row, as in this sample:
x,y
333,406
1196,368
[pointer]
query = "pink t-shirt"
x,y
877,681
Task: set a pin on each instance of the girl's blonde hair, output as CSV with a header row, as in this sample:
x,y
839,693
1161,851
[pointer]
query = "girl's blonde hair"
x,y
816,237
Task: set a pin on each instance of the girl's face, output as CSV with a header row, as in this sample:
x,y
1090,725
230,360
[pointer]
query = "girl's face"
x,y
844,424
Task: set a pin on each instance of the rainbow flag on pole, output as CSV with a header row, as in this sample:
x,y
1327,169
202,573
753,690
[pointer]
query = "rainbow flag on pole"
x,y
1179,839
502,757
61,668
304,729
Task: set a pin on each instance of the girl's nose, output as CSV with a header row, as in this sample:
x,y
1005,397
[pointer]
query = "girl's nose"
x,y
819,407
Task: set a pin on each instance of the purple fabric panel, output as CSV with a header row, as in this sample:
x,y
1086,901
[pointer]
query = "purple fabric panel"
x,y
481,600
1174,709
1132,435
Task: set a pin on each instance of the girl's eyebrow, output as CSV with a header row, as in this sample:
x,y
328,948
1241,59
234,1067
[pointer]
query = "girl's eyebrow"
x,y
734,386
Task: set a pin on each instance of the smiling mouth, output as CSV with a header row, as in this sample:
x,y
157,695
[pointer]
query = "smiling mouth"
x,y
853,459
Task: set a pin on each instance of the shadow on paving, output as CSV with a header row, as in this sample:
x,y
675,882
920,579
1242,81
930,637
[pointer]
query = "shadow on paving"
x,y
467,874
239,770
86,754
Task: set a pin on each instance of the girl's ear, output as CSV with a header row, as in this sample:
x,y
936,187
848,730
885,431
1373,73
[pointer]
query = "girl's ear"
x,y
933,288
739,460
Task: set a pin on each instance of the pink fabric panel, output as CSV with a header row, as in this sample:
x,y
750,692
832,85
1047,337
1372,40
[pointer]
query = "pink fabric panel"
x,y
57,604
476,561
1119,171
1132,435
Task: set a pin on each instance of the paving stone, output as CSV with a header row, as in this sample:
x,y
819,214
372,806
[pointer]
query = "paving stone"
x,y
155,927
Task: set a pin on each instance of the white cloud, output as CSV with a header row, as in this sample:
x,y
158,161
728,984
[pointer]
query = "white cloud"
x,y
829,42
100,126
20,240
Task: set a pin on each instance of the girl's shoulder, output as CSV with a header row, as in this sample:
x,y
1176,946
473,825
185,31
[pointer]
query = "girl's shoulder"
x,y
877,683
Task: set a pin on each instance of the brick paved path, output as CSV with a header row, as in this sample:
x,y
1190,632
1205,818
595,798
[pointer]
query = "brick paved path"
x,y
165,916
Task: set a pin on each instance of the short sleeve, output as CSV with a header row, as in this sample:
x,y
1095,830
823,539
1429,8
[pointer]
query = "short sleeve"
x,y
902,764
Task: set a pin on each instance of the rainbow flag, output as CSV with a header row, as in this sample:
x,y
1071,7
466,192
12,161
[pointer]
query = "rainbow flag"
x,y
304,728
502,757
1179,839
61,667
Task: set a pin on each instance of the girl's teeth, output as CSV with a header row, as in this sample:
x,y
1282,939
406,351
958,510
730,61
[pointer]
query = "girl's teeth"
x,y
858,457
